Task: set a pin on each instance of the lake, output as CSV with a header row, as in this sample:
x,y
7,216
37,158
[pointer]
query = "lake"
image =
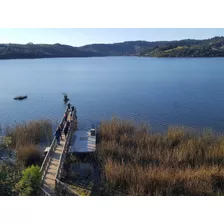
x,y
160,91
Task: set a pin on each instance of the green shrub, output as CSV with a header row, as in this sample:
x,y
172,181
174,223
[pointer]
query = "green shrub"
x,y
30,181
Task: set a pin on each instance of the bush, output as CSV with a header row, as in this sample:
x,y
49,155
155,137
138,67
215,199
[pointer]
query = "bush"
x,y
30,181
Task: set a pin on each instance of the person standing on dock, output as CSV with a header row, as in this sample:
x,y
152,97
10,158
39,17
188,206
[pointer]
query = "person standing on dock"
x,y
58,135
69,105
65,116
71,115
66,128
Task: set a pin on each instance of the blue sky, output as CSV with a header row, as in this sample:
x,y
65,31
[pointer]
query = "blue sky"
x,y
79,37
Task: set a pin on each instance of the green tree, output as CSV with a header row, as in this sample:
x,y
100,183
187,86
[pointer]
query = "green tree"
x,y
30,181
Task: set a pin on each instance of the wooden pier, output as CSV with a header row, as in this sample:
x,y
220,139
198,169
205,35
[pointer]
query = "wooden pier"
x,y
52,167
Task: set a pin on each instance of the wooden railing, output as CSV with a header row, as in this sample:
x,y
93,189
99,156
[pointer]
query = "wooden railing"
x,y
47,158
53,146
66,147
60,186
43,192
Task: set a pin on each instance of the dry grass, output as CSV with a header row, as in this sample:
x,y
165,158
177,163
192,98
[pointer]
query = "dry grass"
x,y
29,155
32,132
27,139
135,161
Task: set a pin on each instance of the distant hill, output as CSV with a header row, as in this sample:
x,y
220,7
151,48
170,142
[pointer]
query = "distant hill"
x,y
17,51
124,48
30,50
213,47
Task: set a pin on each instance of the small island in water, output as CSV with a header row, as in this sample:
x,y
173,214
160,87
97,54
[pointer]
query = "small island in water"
x,y
20,97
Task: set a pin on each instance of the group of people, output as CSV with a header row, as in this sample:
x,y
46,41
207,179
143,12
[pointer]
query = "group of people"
x,y
65,124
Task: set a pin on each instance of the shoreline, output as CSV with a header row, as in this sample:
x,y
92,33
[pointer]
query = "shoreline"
x,y
137,56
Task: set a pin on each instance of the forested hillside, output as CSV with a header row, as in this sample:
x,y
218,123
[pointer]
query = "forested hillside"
x,y
213,47
16,51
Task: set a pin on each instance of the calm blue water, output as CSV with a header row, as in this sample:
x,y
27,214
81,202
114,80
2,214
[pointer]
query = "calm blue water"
x,y
162,92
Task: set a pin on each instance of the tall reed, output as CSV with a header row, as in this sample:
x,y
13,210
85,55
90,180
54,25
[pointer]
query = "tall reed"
x,y
136,161
32,132
27,139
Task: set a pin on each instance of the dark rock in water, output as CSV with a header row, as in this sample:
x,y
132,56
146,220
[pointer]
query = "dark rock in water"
x,y
20,97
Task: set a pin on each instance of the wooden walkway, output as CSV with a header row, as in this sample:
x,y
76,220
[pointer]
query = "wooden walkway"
x,y
52,165
51,171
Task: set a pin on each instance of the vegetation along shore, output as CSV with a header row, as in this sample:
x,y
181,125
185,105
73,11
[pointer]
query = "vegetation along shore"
x,y
22,151
130,160
136,161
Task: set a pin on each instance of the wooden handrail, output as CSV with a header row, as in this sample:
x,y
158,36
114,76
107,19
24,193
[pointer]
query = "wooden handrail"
x,y
52,148
67,140
45,192
48,153
47,159
60,183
